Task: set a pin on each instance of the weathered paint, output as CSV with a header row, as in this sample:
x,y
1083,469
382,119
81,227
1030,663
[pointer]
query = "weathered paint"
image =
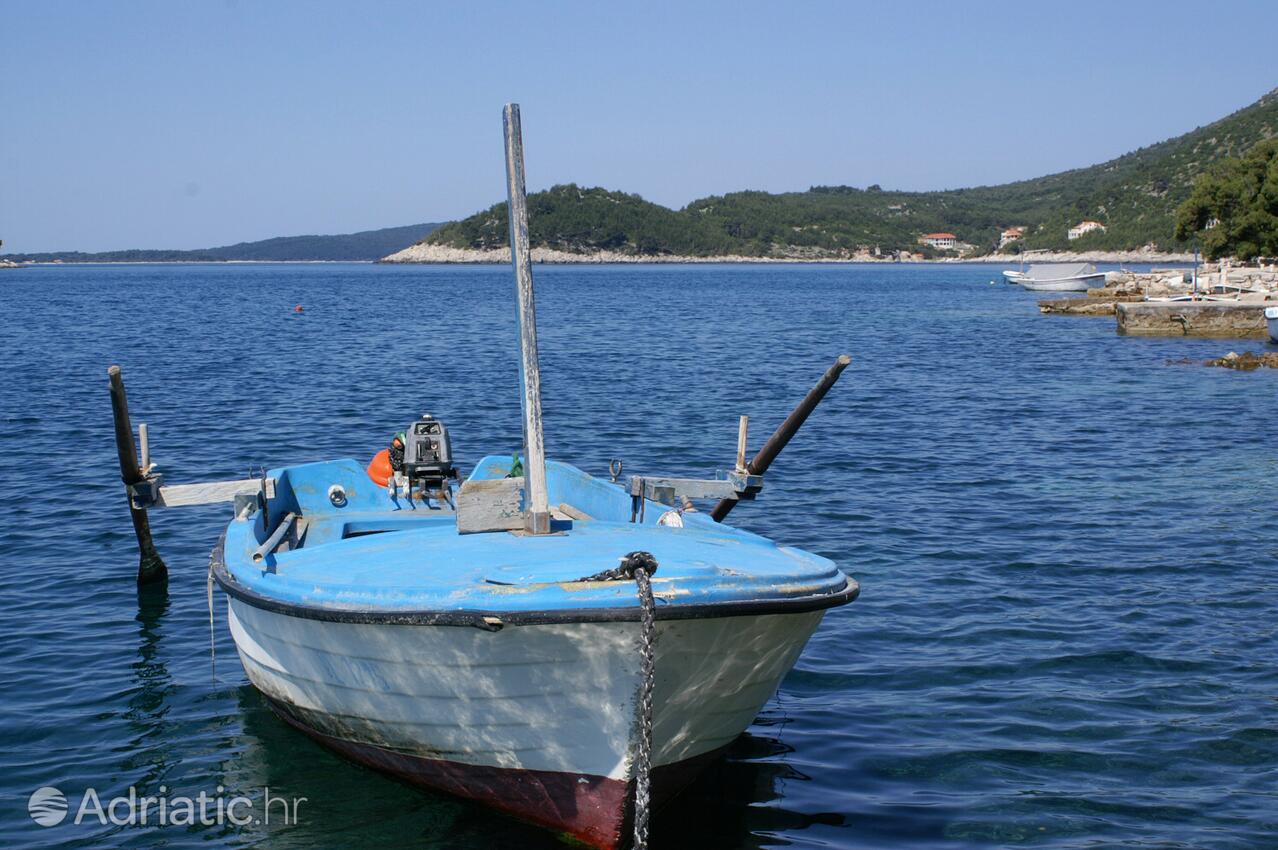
x,y
519,718
591,810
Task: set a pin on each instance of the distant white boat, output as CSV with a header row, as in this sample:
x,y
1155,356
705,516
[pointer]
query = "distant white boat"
x,y
1058,277
1167,299
1271,317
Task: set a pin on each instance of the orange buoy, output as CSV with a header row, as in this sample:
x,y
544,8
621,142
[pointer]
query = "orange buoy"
x,y
380,469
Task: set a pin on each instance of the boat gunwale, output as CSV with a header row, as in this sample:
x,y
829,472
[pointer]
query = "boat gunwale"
x,y
496,620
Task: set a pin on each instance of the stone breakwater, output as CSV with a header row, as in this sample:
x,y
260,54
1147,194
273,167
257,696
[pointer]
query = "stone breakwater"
x,y
424,253
1228,302
1142,255
1249,283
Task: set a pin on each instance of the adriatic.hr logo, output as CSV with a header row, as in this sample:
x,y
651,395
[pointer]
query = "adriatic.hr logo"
x,y
49,807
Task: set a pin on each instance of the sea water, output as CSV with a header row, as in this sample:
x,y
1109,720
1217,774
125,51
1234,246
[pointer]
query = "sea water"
x,y
1067,545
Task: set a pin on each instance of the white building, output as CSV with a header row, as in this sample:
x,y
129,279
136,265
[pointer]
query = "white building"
x,y
943,241
1010,235
1085,227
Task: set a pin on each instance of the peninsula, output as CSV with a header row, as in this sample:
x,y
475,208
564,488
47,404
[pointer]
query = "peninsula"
x,y
365,246
1120,210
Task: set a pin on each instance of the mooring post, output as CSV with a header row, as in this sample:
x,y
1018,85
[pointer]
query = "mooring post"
x,y
763,459
150,566
537,500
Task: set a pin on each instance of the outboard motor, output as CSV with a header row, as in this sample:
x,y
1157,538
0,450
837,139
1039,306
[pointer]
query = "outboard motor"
x,y
428,454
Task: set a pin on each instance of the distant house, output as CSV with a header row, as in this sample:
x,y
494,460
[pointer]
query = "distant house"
x,y
943,241
1011,235
1085,227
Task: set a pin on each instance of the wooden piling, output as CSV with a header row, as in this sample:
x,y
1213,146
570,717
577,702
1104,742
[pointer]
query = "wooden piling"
x,y
151,567
536,497
763,459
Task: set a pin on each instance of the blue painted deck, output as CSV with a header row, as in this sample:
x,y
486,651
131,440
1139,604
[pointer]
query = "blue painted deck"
x,y
420,562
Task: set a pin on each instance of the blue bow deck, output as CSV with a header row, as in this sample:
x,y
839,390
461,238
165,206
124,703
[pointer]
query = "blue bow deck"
x,y
367,556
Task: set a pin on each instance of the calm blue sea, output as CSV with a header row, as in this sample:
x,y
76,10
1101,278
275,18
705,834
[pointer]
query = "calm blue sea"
x,y
1068,547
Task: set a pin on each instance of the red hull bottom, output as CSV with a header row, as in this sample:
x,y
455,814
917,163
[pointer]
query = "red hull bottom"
x,y
593,810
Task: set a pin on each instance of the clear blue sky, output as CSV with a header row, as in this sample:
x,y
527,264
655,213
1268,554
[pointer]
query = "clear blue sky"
x,y
184,125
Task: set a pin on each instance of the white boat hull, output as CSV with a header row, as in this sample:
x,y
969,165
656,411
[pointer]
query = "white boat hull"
x,y
1067,284
1271,319
480,713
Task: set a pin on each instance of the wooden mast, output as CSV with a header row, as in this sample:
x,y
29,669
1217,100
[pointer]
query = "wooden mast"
x,y
536,497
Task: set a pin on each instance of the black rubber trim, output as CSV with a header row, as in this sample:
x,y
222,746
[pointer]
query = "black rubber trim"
x,y
495,620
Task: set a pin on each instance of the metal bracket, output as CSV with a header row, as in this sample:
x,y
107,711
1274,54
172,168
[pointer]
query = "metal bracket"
x,y
670,491
146,492
746,484
152,492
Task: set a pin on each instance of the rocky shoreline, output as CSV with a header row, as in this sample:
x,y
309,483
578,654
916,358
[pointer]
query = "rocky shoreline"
x,y
1221,302
422,253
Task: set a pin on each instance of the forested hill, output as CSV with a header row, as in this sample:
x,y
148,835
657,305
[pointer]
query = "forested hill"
x,y
365,245
1135,196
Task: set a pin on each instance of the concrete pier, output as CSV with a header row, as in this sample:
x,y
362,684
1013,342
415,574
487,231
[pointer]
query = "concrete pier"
x,y
1193,318
1090,306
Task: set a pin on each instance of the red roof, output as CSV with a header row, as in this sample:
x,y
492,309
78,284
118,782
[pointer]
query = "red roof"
x,y
940,236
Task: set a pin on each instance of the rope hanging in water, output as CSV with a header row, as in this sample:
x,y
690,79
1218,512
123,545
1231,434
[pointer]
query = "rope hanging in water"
x,y
640,566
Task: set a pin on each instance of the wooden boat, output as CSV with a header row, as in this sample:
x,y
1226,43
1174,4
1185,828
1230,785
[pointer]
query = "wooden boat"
x,y
484,665
565,649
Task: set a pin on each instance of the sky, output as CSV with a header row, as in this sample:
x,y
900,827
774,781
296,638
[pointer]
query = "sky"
x,y
195,124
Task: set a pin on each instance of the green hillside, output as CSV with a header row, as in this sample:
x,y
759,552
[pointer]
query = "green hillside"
x,y
365,245
1135,196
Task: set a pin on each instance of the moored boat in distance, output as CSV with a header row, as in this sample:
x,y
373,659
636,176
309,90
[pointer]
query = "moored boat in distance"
x,y
1058,277
1271,320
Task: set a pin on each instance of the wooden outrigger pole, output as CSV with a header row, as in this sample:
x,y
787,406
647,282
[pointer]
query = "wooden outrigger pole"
x,y
151,567
763,459
145,487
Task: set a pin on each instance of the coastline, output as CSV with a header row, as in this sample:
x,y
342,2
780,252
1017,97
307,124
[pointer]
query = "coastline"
x,y
442,254
25,263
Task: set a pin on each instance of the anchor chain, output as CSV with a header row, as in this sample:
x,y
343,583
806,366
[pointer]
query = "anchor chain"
x,y
643,748
640,566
